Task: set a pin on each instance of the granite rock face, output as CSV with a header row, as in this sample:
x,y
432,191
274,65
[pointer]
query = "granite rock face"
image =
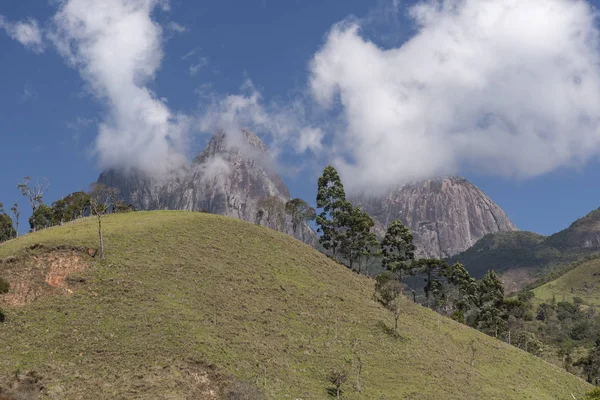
x,y
446,215
230,177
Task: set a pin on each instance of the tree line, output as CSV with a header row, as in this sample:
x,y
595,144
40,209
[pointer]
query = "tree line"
x,y
346,235
273,212
69,208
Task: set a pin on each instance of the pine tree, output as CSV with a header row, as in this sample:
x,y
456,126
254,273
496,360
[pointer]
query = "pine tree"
x,y
358,237
434,269
397,249
491,317
331,198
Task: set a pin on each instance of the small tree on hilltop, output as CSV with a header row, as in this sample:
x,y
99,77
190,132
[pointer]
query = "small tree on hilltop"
x,y
7,231
34,193
59,212
397,249
101,200
16,213
299,211
331,198
42,218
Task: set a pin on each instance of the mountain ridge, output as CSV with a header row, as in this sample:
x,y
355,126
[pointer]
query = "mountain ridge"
x,y
532,256
447,215
230,177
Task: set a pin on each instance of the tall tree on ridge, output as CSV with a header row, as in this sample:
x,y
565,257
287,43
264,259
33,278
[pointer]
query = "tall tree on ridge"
x,y
7,231
17,213
358,237
331,198
34,193
490,299
398,249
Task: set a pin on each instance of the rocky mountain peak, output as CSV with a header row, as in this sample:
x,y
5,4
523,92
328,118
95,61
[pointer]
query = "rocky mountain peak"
x,y
447,215
246,144
231,177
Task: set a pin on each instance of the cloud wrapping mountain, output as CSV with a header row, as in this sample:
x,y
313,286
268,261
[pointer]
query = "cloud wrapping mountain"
x,y
117,48
506,87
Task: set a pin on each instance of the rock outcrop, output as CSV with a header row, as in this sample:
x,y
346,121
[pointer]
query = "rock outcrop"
x,y
230,177
446,215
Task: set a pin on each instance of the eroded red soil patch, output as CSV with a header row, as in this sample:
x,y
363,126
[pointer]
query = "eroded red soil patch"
x,y
43,272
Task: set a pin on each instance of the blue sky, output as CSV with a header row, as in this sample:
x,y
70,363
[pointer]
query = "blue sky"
x,y
50,116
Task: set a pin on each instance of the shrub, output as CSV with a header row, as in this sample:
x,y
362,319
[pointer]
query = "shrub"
x,y
4,286
593,394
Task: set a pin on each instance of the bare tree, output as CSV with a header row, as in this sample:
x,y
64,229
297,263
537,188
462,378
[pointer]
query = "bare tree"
x,y
17,213
34,193
102,199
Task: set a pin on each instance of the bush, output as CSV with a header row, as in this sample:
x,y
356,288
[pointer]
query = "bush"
x,y
593,394
4,286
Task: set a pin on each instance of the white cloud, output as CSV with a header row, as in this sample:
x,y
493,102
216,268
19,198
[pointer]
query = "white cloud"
x,y
506,87
174,26
195,68
216,167
117,48
27,33
285,125
309,139
189,54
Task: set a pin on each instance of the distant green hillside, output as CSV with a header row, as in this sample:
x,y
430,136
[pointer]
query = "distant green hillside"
x,y
583,281
186,301
528,256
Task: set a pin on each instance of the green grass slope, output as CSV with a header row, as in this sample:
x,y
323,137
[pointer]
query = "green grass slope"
x,y
182,288
582,281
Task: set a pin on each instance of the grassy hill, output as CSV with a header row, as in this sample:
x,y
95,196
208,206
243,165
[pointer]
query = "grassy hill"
x,y
192,305
582,281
